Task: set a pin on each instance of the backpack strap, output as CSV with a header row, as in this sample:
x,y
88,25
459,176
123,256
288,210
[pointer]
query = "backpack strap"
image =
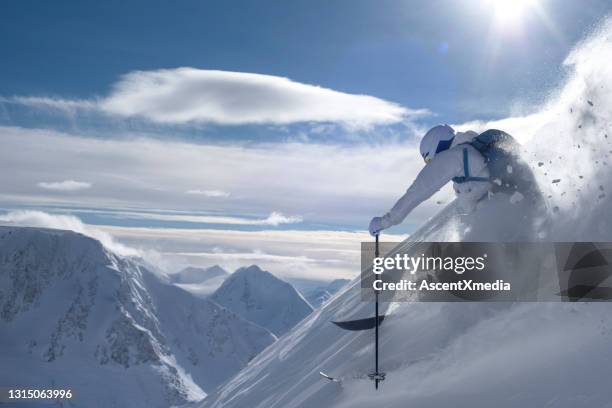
x,y
466,171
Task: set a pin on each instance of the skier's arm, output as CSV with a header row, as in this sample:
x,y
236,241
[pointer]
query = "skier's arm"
x,y
430,179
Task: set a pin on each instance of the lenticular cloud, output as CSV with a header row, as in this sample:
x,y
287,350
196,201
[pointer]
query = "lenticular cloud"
x,y
194,95
189,95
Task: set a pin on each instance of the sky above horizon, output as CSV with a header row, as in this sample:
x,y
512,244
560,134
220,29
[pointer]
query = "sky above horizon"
x,y
444,56
235,132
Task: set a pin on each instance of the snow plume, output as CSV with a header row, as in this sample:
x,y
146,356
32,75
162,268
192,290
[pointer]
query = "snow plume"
x,y
523,128
568,141
573,149
29,218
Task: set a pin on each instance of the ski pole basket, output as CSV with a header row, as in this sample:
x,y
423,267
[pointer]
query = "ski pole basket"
x,y
377,376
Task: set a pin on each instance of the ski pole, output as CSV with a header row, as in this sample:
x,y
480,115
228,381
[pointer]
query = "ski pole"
x,y
377,376
376,254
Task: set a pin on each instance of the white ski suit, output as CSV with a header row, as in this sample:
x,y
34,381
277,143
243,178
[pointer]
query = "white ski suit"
x,y
442,168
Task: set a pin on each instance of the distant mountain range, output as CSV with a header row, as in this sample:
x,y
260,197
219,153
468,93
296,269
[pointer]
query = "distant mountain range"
x,y
73,314
203,282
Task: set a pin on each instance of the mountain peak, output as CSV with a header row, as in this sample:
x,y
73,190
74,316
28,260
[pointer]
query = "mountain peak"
x,y
255,272
217,269
262,298
252,269
192,274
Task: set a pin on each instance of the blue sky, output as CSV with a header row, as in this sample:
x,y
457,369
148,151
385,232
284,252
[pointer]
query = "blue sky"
x,y
246,123
432,54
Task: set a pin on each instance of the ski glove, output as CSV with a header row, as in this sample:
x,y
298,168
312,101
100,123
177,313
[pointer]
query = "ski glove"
x,y
376,225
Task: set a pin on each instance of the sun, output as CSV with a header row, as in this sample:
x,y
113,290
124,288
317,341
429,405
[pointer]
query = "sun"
x,y
510,14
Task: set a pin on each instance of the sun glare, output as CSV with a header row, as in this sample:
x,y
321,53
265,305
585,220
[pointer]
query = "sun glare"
x,y
510,14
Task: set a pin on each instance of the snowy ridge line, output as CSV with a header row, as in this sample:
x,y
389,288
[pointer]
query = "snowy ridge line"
x,y
72,312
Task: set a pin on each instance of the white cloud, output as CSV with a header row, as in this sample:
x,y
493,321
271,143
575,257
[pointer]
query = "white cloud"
x,y
28,218
209,193
66,185
277,218
274,219
67,105
291,178
318,254
189,95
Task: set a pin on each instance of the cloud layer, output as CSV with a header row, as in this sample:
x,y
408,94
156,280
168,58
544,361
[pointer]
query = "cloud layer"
x,y
274,219
209,193
315,255
190,95
287,178
66,185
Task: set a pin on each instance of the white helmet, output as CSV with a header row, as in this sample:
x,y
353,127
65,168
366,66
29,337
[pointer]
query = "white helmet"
x,y
437,139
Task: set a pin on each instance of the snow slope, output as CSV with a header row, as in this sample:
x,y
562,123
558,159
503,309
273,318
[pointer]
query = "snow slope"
x,y
317,296
73,314
262,298
200,282
474,354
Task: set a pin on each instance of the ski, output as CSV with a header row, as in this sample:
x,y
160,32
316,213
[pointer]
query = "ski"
x,y
360,324
328,377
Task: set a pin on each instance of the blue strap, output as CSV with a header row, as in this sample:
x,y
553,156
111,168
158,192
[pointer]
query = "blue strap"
x,y
466,171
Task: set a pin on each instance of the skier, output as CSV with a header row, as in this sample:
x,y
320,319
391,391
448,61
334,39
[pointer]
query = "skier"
x,y
480,166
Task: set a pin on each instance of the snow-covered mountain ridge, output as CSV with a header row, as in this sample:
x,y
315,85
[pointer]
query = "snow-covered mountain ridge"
x,y
76,315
